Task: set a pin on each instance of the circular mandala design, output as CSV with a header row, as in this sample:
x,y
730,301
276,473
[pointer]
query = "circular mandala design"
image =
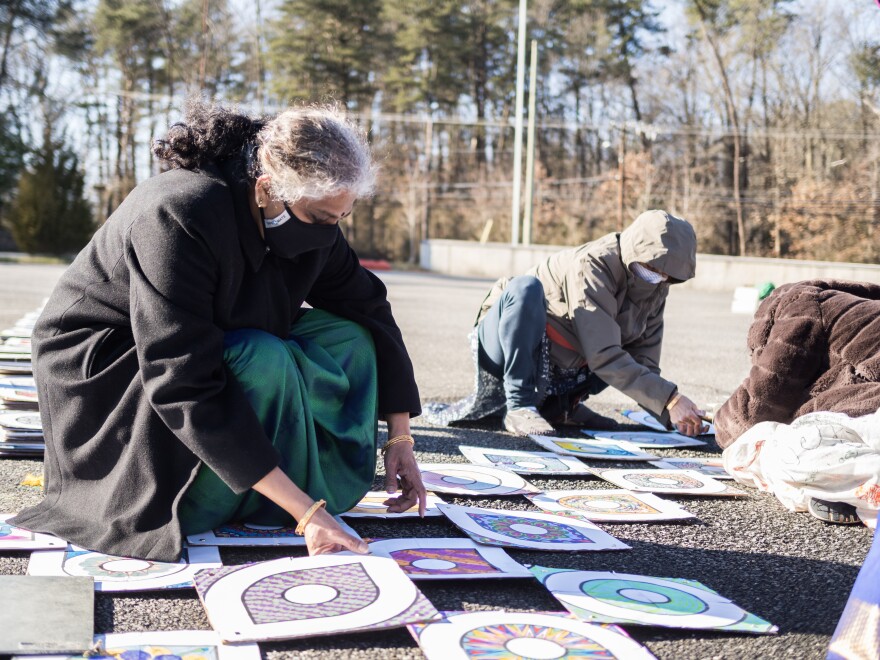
x,y
605,504
513,527
509,641
116,569
453,478
664,481
644,597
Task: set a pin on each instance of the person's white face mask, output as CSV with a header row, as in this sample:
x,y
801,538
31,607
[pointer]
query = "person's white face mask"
x,y
650,276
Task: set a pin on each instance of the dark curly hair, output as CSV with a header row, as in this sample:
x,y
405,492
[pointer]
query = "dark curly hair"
x,y
306,152
208,133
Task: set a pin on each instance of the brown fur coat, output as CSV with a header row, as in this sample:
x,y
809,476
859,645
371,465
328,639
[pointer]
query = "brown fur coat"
x,y
815,346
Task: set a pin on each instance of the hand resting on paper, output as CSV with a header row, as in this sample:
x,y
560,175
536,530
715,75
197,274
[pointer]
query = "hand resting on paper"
x,y
401,465
324,535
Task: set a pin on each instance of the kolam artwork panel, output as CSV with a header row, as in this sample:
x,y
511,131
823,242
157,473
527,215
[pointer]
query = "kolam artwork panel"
x,y
646,419
22,421
528,529
673,482
605,597
16,538
162,645
113,574
600,450
524,462
469,479
290,598
252,534
522,636
445,559
653,439
616,505
711,467
371,506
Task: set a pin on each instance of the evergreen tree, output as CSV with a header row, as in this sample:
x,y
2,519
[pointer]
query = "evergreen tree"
x,y
322,49
50,213
425,72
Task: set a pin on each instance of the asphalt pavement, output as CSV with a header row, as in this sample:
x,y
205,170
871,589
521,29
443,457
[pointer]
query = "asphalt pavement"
x,y
787,568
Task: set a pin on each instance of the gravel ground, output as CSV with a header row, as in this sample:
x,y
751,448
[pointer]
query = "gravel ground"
x,y
787,568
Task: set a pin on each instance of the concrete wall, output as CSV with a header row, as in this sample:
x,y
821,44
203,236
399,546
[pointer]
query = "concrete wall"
x,y
714,272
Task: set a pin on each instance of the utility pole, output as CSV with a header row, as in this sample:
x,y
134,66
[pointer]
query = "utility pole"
x,y
530,149
518,125
621,176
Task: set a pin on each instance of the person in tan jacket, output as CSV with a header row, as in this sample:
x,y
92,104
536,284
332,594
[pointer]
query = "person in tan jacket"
x,y
586,318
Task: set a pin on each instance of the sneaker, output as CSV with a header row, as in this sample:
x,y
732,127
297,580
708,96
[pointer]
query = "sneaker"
x,y
583,417
840,513
526,421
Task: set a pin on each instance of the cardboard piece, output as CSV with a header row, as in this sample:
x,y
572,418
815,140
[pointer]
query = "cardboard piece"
x,y
46,614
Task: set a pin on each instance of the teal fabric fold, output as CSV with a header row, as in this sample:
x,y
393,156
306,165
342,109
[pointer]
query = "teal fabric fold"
x,y
315,394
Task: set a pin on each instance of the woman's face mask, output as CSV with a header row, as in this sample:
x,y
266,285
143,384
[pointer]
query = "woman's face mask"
x,y
648,275
288,237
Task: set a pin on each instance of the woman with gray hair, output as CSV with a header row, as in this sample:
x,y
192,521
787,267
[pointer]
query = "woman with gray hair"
x,y
217,353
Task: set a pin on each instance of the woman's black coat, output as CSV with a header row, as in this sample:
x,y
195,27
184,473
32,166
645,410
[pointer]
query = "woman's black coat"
x,y
128,355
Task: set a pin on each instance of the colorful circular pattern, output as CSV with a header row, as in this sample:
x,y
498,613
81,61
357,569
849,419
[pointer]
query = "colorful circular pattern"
x,y
676,481
460,478
529,529
118,569
529,642
614,503
587,448
644,597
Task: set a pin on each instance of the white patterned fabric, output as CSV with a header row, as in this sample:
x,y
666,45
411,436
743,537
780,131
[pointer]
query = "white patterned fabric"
x,y
824,455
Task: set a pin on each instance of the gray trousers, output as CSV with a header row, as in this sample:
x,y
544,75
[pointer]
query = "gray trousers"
x,y
510,339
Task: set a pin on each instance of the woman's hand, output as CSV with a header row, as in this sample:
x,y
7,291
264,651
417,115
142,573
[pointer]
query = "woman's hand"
x,y
323,534
686,417
400,464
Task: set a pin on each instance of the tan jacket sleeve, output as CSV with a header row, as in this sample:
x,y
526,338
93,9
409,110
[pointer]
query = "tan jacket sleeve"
x,y
593,308
646,351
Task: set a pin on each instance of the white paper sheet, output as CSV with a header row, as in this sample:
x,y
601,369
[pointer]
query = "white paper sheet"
x,y
609,505
249,534
371,507
529,529
460,636
16,538
602,450
605,597
122,573
445,559
469,479
289,598
524,462
651,439
646,419
26,421
680,482
711,467
165,644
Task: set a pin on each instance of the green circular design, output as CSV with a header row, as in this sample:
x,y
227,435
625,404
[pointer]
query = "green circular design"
x,y
678,602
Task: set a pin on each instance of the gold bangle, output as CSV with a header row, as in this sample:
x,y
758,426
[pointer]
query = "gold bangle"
x,y
307,516
396,439
673,401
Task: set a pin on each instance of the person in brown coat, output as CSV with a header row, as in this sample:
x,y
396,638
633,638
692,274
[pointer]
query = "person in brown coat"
x,y
588,317
815,346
